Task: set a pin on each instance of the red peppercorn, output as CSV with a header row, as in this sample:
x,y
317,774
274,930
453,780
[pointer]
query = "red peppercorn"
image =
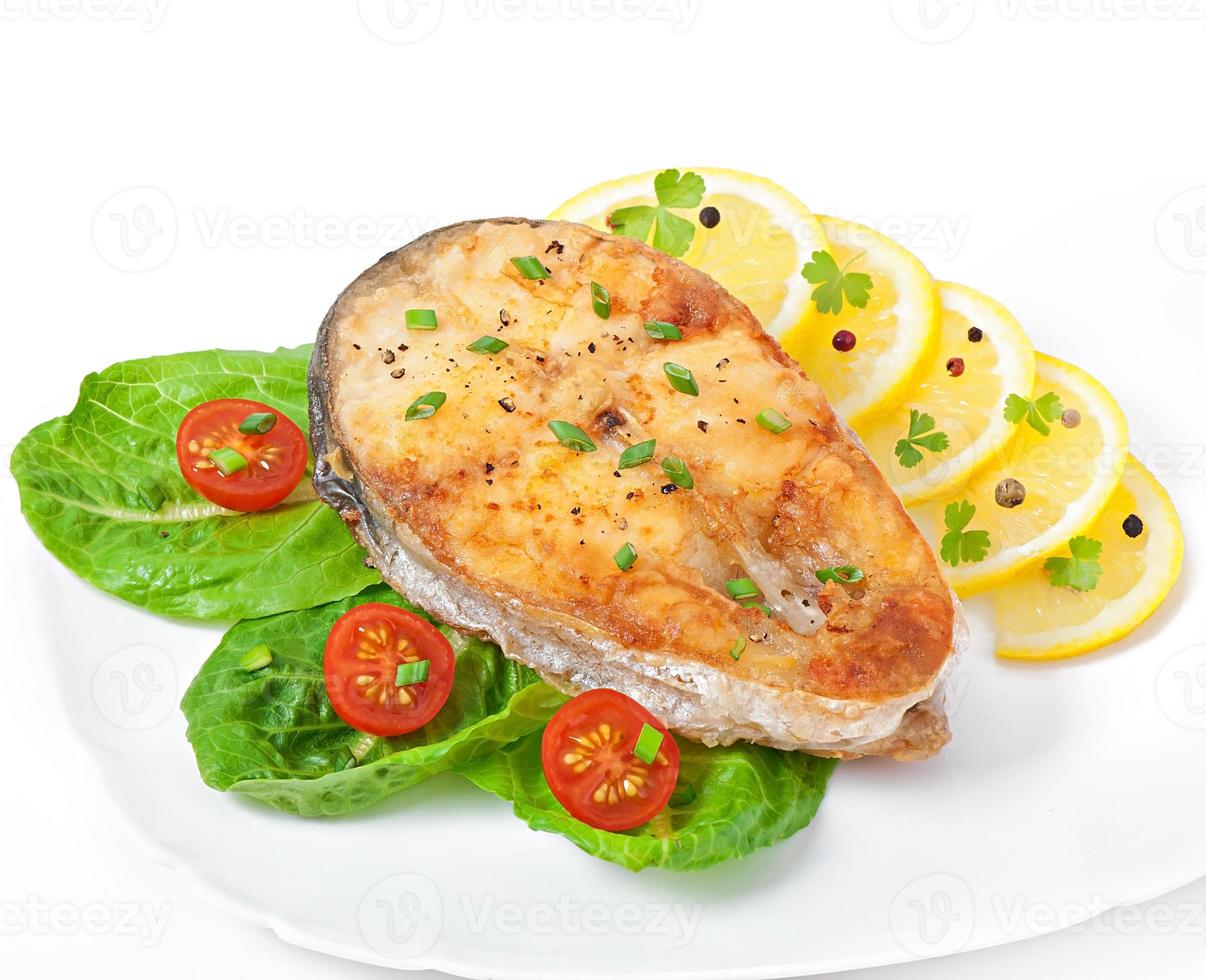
x,y
955,366
844,341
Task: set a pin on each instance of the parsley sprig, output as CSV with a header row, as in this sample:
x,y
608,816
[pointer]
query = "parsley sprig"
x,y
1080,572
671,233
833,283
921,436
959,544
1037,413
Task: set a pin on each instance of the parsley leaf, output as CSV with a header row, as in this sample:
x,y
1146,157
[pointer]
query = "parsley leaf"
x,y
832,283
674,191
907,450
1080,572
1037,413
671,234
960,544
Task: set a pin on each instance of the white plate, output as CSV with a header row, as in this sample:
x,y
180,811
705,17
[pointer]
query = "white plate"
x,y
1067,788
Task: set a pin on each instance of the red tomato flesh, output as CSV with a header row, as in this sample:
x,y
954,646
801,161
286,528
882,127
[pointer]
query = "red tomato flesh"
x,y
276,460
360,666
587,752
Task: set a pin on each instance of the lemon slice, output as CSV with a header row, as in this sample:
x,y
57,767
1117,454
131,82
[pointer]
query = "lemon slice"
x,y
966,408
893,333
1041,621
764,237
1068,477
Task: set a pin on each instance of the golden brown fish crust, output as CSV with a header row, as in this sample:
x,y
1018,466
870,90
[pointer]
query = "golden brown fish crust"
x,y
520,532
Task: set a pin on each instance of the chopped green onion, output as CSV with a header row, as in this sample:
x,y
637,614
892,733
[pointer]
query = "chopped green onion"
x,y
648,744
625,557
256,658
661,330
742,588
361,748
421,320
571,437
487,345
151,494
677,470
738,648
761,606
680,378
600,299
412,672
772,421
683,795
425,406
258,423
530,267
636,455
227,460
845,574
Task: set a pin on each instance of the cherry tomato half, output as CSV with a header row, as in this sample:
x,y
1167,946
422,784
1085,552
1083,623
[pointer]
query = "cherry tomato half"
x,y
360,665
587,752
274,461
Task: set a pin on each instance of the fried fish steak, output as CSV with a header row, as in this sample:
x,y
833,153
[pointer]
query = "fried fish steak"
x,y
480,515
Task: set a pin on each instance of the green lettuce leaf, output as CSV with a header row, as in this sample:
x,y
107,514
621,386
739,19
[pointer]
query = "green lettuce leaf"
x,y
272,733
102,490
740,798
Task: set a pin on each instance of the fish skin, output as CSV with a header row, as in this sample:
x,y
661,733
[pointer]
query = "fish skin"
x,y
480,516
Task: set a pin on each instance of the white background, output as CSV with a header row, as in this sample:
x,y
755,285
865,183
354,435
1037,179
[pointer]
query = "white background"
x,y
278,148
